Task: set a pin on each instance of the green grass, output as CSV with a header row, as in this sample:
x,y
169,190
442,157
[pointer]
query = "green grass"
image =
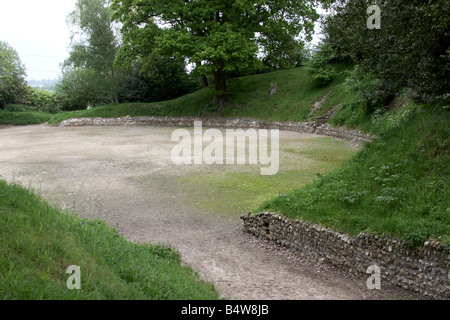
x,y
38,243
237,191
248,97
397,185
23,118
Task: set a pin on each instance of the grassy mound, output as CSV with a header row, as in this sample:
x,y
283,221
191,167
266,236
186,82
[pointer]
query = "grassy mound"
x,y
39,243
248,97
398,184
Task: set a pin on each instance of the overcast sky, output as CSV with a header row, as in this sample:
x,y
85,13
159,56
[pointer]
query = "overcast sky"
x,y
37,30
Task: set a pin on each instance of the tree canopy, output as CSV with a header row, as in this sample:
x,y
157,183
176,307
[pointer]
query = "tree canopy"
x,y
218,37
411,49
96,46
12,75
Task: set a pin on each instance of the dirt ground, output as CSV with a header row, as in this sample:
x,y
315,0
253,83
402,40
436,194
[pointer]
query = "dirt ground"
x,y
124,176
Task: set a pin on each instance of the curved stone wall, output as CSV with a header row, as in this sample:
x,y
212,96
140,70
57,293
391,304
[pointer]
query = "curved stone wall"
x,y
424,270
303,127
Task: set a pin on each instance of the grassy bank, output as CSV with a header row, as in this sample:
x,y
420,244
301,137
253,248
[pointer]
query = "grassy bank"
x,y
23,118
39,243
248,97
398,184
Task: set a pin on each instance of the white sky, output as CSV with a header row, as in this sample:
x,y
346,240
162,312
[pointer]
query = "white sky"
x,y
37,30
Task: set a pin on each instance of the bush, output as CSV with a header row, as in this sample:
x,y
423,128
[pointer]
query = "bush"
x,y
43,100
80,88
18,108
155,78
366,85
319,65
411,50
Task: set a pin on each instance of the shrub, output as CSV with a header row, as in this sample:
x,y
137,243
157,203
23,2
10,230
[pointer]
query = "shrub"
x,y
80,88
374,91
319,65
43,100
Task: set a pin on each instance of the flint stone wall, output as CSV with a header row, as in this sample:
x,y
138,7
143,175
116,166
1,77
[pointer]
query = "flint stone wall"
x,y
424,270
302,127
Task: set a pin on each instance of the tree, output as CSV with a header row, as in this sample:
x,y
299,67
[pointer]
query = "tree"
x,y
12,76
155,78
219,37
80,88
97,46
411,50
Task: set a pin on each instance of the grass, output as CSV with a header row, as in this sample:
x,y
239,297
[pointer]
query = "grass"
x,y
39,243
248,97
397,185
23,118
236,191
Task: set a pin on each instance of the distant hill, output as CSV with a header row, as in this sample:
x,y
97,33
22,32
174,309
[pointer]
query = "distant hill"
x,y
43,84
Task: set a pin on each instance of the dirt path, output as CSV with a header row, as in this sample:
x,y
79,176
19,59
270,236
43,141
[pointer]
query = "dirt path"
x,y
124,175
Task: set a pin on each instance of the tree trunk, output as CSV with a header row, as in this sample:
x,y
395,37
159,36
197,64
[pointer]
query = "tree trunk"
x,y
221,82
113,87
204,81
221,88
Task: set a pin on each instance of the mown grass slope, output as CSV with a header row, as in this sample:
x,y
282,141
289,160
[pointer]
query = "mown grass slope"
x,y
38,243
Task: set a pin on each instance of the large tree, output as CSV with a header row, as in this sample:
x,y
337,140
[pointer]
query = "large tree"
x,y
12,76
219,36
94,43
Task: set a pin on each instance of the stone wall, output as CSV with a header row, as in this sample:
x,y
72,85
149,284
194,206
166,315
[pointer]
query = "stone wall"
x,y
302,127
424,270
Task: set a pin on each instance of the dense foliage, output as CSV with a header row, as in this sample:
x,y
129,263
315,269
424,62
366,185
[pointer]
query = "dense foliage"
x,y
155,78
94,48
12,76
320,67
410,51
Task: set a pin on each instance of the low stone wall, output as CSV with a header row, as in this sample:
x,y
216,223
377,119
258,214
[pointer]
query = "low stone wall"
x,y
302,127
353,135
424,270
